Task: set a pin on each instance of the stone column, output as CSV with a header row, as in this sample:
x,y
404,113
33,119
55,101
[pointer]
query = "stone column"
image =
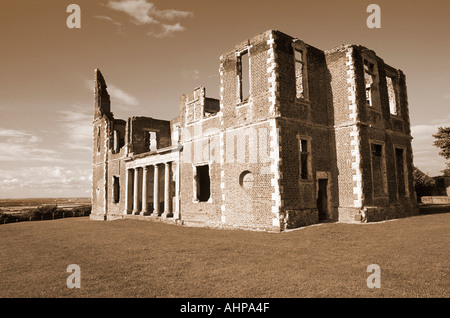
x,y
144,190
177,192
167,210
127,191
156,192
135,191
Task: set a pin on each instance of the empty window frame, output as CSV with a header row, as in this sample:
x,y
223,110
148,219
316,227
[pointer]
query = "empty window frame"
x,y
116,189
244,76
378,169
150,142
203,183
392,90
400,165
305,158
300,73
118,141
369,80
98,139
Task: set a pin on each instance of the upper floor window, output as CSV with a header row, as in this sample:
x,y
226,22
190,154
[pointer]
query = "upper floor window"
x,y
98,138
392,89
150,140
118,141
369,80
244,76
300,72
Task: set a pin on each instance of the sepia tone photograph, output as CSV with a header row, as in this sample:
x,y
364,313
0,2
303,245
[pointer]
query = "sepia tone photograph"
x,y
222,156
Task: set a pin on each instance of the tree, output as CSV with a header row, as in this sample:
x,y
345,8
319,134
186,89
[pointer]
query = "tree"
x,y
443,142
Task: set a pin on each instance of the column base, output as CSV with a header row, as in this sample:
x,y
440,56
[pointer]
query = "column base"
x,y
144,213
167,214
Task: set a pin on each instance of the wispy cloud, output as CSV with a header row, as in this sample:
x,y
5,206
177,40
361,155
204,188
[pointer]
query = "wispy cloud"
x,y
76,125
145,13
21,145
111,20
138,9
119,98
446,95
194,74
166,30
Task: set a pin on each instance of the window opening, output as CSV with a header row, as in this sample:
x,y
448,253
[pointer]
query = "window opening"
x,y
244,76
203,183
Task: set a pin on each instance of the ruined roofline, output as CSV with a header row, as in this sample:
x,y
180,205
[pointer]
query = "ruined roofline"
x,y
343,47
146,117
362,49
103,102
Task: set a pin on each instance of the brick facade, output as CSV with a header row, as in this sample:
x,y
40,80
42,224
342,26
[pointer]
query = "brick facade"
x,y
306,136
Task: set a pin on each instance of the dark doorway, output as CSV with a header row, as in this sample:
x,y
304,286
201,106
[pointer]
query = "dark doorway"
x,y
322,199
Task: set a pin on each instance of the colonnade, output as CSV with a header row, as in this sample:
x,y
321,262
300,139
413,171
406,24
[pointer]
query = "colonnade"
x,y
137,192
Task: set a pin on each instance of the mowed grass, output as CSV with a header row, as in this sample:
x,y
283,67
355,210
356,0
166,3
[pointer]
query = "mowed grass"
x,y
130,258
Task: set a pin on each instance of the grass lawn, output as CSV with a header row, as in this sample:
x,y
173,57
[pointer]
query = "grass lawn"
x,y
130,258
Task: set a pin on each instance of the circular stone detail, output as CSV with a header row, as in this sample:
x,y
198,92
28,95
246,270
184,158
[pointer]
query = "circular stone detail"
x,y
246,180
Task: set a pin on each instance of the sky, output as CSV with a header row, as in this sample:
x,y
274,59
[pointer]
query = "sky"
x,y
151,52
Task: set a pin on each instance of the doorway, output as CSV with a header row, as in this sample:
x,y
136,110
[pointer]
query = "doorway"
x,y
322,199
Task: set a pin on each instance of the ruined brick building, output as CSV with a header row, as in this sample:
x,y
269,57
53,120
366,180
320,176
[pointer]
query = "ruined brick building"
x,y
298,136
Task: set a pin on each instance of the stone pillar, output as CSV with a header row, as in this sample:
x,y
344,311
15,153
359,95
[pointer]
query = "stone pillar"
x,y
177,192
135,191
156,192
144,191
167,209
127,192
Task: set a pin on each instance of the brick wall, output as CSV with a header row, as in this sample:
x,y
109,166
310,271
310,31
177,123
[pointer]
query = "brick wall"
x,y
252,146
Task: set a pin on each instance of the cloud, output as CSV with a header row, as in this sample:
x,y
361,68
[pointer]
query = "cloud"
x,y
45,181
446,95
145,13
76,126
102,17
138,9
114,22
194,74
21,145
166,30
121,96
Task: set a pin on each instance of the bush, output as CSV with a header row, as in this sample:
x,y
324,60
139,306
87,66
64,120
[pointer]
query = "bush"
x,y
44,212
84,210
16,217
